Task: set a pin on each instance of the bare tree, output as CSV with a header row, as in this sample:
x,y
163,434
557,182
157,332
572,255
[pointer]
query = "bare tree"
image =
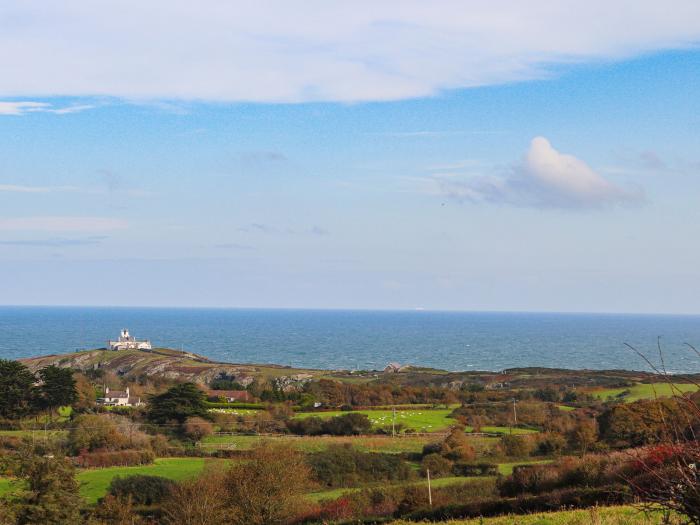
x,y
667,474
201,501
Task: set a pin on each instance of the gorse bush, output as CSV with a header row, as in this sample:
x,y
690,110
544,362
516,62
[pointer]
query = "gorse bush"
x,y
119,458
346,425
141,489
344,466
398,501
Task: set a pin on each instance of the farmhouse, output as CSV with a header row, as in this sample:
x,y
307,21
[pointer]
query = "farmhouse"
x,y
229,396
119,398
128,342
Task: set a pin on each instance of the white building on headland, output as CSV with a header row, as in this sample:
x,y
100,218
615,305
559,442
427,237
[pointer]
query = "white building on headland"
x,y
119,398
128,342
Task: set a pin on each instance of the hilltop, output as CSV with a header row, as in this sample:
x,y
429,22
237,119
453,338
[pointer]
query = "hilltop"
x,y
187,366
169,364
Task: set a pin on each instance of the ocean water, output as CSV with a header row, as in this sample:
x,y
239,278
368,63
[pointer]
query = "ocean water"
x,y
365,339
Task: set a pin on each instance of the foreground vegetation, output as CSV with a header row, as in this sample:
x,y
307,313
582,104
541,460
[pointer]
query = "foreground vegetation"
x,y
333,447
623,515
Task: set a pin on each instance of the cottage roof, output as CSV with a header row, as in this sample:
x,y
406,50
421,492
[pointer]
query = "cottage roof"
x,y
231,394
117,393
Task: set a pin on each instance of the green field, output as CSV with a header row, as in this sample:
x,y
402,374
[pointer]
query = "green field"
x,y
403,443
94,482
420,420
625,515
645,391
435,483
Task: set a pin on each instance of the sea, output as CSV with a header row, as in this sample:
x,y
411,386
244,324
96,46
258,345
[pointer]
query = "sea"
x,y
367,340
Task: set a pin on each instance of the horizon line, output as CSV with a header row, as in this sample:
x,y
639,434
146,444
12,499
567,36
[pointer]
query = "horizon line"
x,y
355,309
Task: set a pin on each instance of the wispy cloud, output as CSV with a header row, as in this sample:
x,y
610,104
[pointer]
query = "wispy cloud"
x,y
268,229
19,108
55,242
545,178
234,246
17,188
263,156
348,51
62,224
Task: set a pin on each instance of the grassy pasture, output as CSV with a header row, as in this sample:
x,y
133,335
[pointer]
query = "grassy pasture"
x,y
404,443
435,483
623,515
421,420
645,391
94,482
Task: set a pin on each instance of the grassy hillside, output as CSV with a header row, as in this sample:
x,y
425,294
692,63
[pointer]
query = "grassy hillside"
x,y
94,482
172,364
644,391
593,516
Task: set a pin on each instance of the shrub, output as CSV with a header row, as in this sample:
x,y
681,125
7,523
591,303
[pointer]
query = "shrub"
x,y
343,466
196,428
122,458
515,446
142,489
475,469
345,425
95,431
571,498
457,446
549,444
437,465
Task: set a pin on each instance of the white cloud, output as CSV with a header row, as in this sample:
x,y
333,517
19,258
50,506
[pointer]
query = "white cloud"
x,y
20,108
315,50
62,224
545,178
16,188
24,107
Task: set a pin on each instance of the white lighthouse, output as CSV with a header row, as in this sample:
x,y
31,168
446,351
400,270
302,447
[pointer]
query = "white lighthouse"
x,y
128,342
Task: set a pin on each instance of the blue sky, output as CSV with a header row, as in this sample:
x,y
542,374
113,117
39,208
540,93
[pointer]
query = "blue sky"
x,y
542,173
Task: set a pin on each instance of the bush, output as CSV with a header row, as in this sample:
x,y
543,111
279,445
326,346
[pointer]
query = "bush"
x,y
143,490
196,428
475,469
345,425
343,466
95,431
571,498
437,465
515,446
122,458
457,446
550,444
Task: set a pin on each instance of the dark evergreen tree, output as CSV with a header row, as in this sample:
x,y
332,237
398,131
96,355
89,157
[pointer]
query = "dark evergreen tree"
x,y
57,387
52,496
177,404
17,391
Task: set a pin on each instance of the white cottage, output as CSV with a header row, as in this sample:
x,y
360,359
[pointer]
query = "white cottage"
x,y
128,342
119,398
